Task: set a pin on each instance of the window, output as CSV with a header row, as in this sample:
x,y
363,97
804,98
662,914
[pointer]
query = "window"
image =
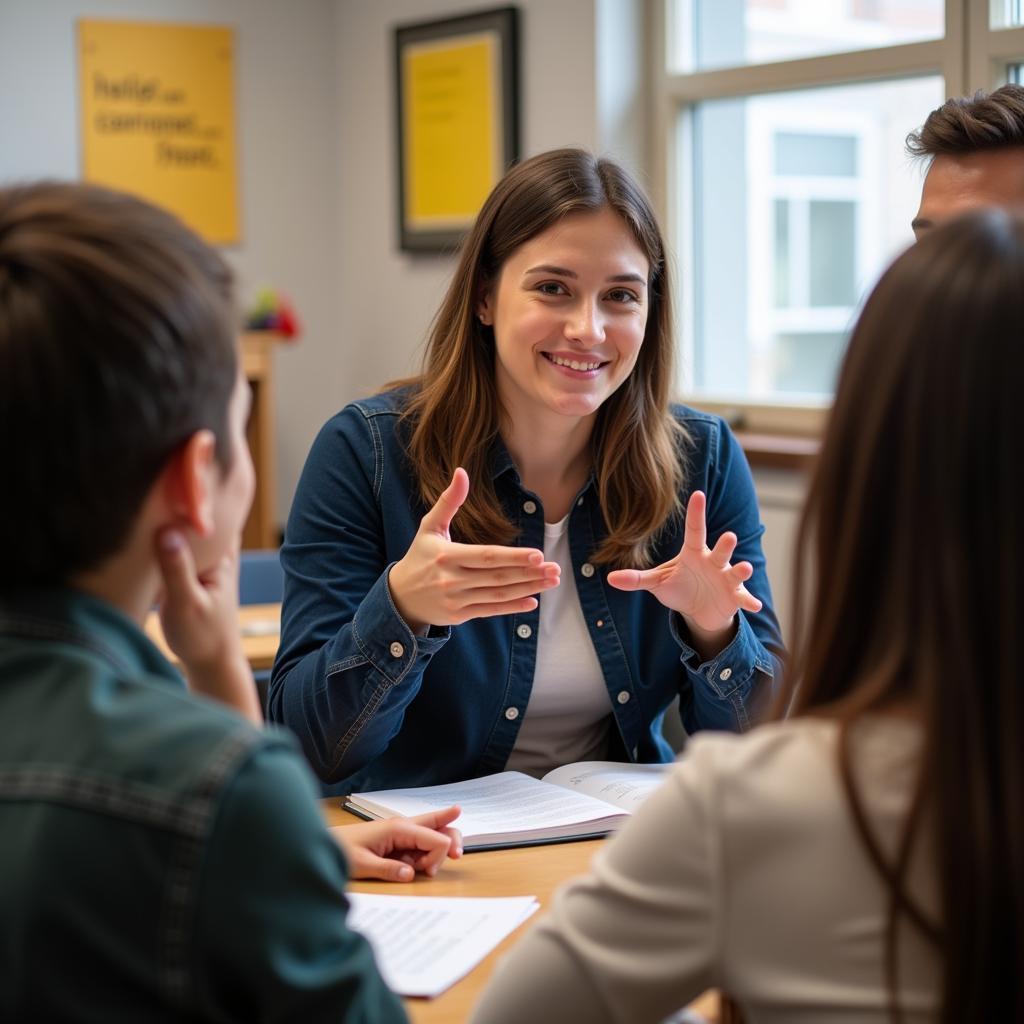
x,y
781,126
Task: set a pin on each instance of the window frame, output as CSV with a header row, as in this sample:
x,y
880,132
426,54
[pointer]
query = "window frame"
x,y
969,56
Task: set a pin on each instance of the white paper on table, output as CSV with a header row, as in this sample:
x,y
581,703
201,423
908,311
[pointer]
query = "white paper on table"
x,y
424,944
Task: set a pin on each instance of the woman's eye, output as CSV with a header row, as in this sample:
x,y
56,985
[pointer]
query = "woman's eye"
x,y
551,288
622,295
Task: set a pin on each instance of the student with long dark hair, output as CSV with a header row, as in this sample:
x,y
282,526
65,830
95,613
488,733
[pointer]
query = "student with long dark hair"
x,y
861,860
537,453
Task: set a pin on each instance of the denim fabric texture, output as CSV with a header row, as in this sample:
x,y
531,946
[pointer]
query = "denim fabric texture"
x,y
374,706
161,860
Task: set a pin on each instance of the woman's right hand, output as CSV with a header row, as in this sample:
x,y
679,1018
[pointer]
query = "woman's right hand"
x,y
441,583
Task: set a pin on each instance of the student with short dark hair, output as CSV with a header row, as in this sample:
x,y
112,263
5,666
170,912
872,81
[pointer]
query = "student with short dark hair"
x,y
974,146
161,858
860,861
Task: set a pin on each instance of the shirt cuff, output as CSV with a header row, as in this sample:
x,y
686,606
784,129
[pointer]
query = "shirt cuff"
x,y
733,666
384,637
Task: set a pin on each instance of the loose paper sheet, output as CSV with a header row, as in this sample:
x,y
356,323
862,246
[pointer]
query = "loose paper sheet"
x,y
424,944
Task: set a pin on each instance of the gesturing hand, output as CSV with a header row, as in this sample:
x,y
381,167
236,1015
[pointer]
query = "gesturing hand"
x,y
442,583
397,848
699,582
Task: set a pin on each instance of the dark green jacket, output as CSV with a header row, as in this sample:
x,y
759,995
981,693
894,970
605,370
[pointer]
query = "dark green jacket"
x,y
160,859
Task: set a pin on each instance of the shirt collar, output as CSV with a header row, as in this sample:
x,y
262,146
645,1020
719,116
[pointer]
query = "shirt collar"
x,y
71,616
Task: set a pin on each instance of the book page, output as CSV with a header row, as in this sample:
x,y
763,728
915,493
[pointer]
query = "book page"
x,y
506,803
424,944
624,785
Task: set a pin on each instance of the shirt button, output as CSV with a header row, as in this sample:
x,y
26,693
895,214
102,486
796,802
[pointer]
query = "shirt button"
x,y
724,674
623,697
397,650
511,714
600,623
529,507
524,631
587,570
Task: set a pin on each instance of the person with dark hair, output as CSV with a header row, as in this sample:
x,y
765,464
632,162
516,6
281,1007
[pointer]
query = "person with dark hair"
x,y
861,860
975,146
536,454
162,859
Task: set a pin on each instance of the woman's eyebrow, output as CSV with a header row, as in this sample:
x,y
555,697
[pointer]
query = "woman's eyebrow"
x,y
548,268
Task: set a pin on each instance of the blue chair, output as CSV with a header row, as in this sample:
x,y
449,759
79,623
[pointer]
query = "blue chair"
x,y
260,581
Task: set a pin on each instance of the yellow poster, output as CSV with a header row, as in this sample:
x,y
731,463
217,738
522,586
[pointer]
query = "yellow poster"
x,y
158,120
452,129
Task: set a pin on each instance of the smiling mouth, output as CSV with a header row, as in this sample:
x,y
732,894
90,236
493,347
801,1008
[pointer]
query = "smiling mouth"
x,y
574,364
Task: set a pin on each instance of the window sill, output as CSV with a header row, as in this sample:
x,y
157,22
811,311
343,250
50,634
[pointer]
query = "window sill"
x,y
778,451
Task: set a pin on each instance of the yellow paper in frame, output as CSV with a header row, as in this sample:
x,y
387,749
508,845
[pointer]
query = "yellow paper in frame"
x,y
452,128
158,118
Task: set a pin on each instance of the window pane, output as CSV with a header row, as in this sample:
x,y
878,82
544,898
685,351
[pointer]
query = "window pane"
x,y
799,201
727,33
833,252
803,361
781,252
1006,13
809,153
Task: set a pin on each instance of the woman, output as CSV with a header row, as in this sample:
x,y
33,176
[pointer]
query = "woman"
x,y
862,860
536,454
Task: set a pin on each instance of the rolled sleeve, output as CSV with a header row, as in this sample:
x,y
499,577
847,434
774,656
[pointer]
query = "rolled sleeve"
x,y
385,639
731,689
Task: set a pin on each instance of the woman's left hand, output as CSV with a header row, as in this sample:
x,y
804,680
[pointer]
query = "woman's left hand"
x,y
699,583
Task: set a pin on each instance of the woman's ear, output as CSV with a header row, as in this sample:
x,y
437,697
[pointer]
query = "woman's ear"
x,y
189,480
485,306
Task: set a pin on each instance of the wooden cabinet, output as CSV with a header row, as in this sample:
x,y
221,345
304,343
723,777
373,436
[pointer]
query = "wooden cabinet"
x,y
261,529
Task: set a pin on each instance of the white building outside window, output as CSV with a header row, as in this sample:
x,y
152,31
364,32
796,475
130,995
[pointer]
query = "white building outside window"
x,y
785,179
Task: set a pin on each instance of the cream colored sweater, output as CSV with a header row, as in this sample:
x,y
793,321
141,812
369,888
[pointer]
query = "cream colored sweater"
x,y
743,872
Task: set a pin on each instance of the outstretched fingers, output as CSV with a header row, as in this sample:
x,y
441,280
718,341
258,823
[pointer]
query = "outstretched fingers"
x,y
741,572
641,579
695,535
723,550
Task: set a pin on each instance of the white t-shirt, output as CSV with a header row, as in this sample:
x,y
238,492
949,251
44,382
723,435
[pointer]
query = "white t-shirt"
x,y
569,712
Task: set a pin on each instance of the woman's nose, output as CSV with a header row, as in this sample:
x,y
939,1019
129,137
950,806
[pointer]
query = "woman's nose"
x,y
585,325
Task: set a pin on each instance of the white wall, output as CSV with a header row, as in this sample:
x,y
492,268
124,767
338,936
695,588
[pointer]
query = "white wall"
x,y
288,146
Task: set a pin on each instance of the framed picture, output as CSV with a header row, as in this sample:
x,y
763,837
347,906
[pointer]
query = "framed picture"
x,y
458,122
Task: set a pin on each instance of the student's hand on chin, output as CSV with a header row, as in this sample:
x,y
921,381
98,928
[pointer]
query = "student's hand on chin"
x,y
397,849
198,611
700,583
199,615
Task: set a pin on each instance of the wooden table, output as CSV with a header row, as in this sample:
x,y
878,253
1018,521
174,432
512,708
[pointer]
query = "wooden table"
x,y
526,871
260,625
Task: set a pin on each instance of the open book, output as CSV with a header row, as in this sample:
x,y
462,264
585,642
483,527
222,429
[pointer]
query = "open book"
x,y
577,801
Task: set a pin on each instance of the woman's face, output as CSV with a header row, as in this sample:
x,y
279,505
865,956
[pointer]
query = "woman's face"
x,y
569,311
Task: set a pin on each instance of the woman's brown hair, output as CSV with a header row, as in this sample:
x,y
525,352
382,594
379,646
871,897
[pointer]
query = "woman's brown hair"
x,y
454,414
913,545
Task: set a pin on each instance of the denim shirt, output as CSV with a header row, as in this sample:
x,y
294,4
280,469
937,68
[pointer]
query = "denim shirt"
x,y
375,706
161,859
